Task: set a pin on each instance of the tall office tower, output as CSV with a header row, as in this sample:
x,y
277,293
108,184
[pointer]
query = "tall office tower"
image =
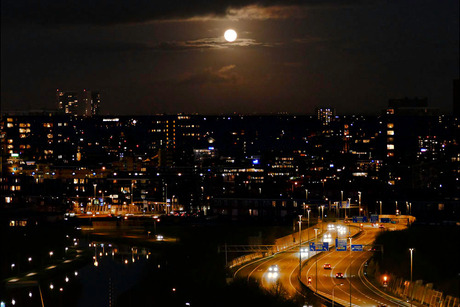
x,y
325,115
95,103
91,102
456,98
67,102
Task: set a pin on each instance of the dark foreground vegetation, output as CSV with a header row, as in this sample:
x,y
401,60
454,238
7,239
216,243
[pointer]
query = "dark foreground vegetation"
x,y
435,258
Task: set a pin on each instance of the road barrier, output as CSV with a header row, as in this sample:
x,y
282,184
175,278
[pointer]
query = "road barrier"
x,y
420,293
242,259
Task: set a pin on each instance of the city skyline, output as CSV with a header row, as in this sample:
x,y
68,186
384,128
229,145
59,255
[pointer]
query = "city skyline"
x,y
171,59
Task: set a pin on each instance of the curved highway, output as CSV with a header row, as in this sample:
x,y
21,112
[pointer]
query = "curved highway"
x,y
350,264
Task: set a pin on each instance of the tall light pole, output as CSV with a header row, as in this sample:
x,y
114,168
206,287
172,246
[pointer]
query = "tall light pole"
x,y
396,207
132,192
341,202
349,277
166,197
316,256
380,207
308,229
359,202
95,186
300,246
412,287
333,288
349,206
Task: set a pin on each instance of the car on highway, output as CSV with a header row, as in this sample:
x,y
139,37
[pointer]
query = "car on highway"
x,y
274,268
327,266
381,226
273,271
339,275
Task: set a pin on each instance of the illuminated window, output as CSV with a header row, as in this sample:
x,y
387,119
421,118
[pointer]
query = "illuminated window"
x,y
390,132
9,125
390,125
390,146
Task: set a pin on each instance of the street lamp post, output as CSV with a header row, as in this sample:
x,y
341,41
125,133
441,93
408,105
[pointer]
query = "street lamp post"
x,y
341,202
132,192
359,202
349,277
333,288
300,246
380,207
306,200
95,186
166,197
308,228
412,287
349,206
316,256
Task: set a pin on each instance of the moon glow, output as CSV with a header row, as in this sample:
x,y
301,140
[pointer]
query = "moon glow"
x,y
230,35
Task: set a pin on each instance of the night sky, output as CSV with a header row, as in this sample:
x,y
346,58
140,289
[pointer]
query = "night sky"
x,y
150,57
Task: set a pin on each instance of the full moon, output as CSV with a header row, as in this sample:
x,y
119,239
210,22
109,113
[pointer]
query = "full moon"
x,y
230,35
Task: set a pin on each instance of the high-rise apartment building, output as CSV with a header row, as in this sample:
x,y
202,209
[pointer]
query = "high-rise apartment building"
x,y
325,115
67,102
91,101
86,103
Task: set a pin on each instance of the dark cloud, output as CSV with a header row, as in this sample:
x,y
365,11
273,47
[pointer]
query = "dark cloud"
x,y
206,43
99,12
207,76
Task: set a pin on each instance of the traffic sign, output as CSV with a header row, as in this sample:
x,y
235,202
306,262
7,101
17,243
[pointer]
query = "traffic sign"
x,y
374,218
359,219
385,220
341,245
356,247
319,247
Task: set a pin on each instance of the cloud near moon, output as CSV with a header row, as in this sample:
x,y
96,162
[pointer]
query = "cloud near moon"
x,y
99,12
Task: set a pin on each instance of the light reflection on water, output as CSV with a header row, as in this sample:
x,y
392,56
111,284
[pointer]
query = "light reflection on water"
x,y
108,280
115,269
